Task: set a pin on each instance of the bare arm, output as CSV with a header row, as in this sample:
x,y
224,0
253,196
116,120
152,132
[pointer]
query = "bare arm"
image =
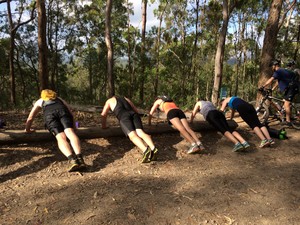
x,y
268,82
132,105
195,110
34,111
154,107
224,104
104,113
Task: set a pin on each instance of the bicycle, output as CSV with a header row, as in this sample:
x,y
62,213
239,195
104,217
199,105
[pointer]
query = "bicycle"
x,y
270,107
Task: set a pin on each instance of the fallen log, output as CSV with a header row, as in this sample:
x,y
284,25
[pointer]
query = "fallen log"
x,y
19,136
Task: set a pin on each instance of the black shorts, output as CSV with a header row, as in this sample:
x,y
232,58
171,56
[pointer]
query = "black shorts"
x,y
290,92
249,115
130,121
218,121
175,113
57,120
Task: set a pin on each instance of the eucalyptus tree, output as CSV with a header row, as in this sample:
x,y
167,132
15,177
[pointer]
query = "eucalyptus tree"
x,y
42,45
228,7
275,21
13,28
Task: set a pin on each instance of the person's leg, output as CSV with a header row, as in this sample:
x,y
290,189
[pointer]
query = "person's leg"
x,y
74,140
287,107
238,137
231,137
63,144
265,132
146,137
259,133
179,126
137,140
189,130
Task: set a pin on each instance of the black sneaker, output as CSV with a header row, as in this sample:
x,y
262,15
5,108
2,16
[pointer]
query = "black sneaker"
x,y
81,163
147,156
286,124
74,165
154,153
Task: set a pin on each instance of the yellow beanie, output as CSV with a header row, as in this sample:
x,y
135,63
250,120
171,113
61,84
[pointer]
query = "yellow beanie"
x,y
48,94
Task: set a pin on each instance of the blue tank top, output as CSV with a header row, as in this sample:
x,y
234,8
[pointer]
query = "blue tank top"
x,y
234,102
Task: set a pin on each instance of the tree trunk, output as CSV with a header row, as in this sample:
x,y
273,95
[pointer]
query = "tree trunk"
x,y
220,54
269,44
109,45
143,55
11,56
19,136
42,45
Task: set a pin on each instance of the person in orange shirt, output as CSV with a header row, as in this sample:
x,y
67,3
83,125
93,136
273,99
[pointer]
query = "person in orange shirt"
x,y
178,119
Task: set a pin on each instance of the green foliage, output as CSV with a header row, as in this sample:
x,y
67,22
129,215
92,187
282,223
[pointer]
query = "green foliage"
x,y
182,65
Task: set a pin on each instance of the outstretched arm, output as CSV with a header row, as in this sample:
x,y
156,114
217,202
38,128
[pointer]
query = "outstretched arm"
x,y
132,105
268,82
104,113
34,111
195,110
154,107
224,104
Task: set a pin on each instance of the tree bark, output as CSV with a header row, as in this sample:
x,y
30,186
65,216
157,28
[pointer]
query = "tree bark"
x,y
42,45
270,41
220,54
19,136
109,45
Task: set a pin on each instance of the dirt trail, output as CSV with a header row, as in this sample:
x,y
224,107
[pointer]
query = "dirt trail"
x,y
218,186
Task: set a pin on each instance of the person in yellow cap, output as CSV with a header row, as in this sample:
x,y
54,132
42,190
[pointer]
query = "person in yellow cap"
x,y
59,121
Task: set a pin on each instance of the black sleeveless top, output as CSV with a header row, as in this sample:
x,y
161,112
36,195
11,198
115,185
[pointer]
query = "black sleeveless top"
x,y
122,107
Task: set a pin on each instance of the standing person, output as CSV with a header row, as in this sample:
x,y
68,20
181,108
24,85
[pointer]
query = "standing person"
x,y
131,124
248,114
178,119
59,121
218,121
287,86
291,65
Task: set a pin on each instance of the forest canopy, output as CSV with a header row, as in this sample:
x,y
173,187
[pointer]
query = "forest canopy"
x,y
176,56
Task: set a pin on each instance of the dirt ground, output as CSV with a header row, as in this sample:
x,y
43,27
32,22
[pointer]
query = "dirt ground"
x,y
260,186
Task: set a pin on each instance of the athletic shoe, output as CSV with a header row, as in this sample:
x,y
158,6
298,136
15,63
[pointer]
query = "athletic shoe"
x,y
201,147
286,124
146,156
237,147
246,144
271,141
193,149
74,165
264,143
154,153
81,163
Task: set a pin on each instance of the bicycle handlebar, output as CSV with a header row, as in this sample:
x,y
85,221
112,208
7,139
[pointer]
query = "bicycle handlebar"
x,y
265,91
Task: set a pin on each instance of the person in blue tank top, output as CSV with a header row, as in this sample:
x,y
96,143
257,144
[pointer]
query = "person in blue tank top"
x,y
59,121
248,114
217,119
131,125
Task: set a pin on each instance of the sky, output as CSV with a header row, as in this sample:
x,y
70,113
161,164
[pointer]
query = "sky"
x,y
136,19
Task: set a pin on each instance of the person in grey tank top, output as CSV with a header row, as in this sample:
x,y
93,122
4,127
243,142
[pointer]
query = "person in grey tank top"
x,y
217,119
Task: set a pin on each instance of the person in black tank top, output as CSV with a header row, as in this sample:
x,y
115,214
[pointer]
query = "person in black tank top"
x,y
59,121
131,125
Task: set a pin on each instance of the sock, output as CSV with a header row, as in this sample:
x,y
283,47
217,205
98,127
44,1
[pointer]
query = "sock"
x,y
153,148
199,143
79,156
70,157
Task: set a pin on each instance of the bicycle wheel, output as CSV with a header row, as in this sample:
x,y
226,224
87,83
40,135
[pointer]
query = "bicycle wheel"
x,y
262,112
295,111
